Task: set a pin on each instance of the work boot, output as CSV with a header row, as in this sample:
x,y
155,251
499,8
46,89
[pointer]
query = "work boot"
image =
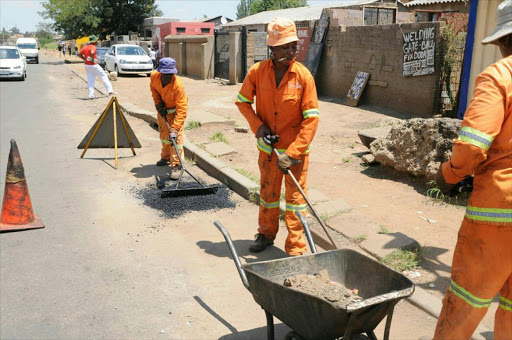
x,y
260,243
162,162
175,172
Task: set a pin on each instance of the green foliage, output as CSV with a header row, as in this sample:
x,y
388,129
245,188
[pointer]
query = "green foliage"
x,y
252,195
359,238
243,9
258,6
248,174
193,125
401,260
77,18
452,44
434,192
383,230
15,30
219,137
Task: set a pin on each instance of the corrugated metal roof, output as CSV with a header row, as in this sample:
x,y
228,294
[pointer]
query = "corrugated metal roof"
x,y
294,14
429,2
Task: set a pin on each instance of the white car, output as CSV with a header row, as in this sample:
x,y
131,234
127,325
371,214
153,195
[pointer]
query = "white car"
x,y
12,63
128,59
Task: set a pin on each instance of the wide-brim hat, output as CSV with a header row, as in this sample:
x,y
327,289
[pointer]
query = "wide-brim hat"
x,y
93,38
167,66
503,23
281,31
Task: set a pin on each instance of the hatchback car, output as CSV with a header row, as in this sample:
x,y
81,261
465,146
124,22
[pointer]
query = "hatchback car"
x,y
12,63
100,55
128,59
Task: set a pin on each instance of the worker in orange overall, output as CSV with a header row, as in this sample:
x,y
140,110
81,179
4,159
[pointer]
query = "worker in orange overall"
x,y
482,261
287,106
171,104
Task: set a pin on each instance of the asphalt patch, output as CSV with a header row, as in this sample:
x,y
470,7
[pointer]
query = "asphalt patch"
x,y
177,206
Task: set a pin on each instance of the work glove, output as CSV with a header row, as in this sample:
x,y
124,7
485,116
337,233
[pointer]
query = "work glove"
x,y
173,134
263,131
441,183
160,108
284,162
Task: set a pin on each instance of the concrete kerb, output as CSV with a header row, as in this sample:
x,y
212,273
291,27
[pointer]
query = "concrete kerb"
x,y
246,188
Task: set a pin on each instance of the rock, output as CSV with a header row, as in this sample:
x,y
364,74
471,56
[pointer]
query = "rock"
x,y
417,146
369,135
242,129
112,76
368,159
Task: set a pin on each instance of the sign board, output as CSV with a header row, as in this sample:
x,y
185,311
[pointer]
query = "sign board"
x,y
304,34
357,88
419,51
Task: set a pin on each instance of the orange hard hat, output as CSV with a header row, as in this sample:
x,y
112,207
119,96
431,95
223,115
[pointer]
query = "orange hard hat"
x,y
281,31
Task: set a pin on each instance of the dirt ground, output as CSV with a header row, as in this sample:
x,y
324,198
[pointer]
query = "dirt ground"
x,y
395,201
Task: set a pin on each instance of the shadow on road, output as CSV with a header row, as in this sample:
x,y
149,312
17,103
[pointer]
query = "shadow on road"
x,y
220,249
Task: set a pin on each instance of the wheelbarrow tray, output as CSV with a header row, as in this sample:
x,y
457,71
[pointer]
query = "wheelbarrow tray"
x,y
311,316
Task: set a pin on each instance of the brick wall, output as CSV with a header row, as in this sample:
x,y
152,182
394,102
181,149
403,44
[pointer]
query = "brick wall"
x,y
378,50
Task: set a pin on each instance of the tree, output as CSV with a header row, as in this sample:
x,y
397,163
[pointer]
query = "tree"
x,y
243,9
78,18
44,33
5,35
14,30
258,6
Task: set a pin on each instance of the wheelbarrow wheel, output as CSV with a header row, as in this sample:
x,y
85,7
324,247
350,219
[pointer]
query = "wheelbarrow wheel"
x,y
291,335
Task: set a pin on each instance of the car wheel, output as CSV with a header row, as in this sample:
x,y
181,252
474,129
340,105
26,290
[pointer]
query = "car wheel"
x,y
37,60
23,76
117,71
148,74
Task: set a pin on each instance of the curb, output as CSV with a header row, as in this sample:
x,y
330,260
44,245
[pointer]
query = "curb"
x,y
246,188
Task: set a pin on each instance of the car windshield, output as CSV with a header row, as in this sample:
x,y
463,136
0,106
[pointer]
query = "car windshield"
x,y
130,50
9,54
27,46
101,52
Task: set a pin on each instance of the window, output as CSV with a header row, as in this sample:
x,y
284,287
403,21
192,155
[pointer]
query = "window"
x,y
180,29
379,16
424,16
149,34
205,30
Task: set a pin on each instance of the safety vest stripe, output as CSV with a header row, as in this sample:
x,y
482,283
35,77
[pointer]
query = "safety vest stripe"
x,y
468,297
489,214
310,113
242,99
295,207
475,137
269,205
268,149
171,110
505,303
165,141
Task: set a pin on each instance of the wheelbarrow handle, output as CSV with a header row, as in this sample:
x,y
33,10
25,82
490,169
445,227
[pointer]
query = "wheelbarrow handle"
x,y
307,231
232,249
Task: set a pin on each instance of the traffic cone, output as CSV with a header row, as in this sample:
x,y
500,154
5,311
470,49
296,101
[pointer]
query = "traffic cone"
x,y
17,211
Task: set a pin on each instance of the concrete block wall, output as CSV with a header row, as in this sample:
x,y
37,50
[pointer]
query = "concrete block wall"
x,y
378,50
193,54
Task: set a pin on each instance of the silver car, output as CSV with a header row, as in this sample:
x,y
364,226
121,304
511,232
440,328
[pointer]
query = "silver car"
x,y
12,63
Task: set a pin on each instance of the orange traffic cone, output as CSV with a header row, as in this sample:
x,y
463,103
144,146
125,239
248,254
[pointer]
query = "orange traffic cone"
x,y
17,211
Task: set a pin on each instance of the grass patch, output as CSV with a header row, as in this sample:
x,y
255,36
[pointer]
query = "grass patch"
x,y
248,174
253,195
327,216
219,137
383,230
191,160
194,124
345,160
359,238
401,260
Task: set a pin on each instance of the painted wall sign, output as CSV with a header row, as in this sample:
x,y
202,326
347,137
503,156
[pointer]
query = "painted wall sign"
x,y
304,35
356,90
419,51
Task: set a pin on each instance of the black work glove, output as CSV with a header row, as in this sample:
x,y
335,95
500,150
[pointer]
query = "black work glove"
x,y
284,162
441,183
160,108
263,131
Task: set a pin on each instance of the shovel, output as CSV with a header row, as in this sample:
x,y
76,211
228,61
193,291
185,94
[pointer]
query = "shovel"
x,y
176,191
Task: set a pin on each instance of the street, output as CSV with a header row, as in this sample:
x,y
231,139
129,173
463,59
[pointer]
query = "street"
x,y
114,260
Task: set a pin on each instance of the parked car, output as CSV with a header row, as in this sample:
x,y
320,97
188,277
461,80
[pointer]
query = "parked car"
x,y
100,54
12,63
29,48
128,59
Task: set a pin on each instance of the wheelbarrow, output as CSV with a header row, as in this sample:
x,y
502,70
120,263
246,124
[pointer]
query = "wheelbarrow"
x,y
312,317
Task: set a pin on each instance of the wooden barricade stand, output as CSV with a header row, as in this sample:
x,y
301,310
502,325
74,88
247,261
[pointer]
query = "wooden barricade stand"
x,y
101,136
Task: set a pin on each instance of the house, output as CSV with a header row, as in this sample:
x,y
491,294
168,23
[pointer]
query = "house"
x,y
149,26
219,21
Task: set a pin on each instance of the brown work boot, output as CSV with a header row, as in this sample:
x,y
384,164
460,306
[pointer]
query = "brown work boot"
x,y
175,172
162,162
260,243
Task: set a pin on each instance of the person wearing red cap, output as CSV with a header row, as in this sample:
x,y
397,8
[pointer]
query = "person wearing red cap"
x,y
482,261
171,104
287,106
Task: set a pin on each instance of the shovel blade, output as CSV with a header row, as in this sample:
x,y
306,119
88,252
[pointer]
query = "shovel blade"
x,y
166,193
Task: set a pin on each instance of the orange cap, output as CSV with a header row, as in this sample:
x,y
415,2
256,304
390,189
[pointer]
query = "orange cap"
x,y
281,31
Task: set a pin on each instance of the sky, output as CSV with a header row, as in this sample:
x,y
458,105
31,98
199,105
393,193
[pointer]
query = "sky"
x,y
24,13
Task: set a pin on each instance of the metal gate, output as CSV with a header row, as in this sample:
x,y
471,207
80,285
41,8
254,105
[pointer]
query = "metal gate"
x,y
221,58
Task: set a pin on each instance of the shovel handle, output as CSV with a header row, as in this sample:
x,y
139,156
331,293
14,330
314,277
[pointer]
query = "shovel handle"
x,y
313,210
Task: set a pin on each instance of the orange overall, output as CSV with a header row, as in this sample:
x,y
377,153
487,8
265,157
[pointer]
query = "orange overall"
x,y
175,99
482,262
290,111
